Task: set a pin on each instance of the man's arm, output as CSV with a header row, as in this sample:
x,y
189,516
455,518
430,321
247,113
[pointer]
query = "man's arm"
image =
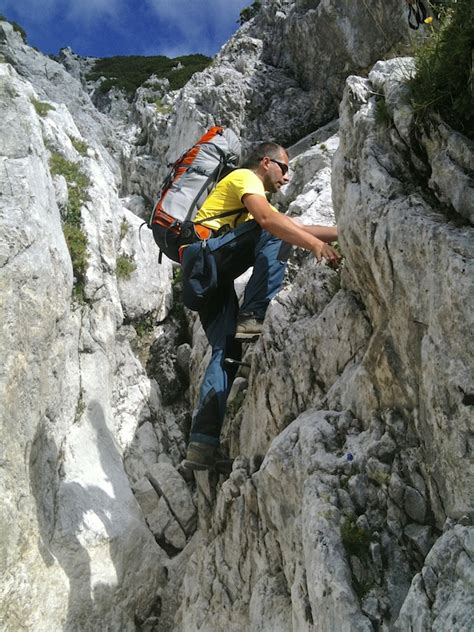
x,y
286,229
328,234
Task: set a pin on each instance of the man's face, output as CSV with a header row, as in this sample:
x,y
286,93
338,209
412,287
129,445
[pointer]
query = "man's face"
x,y
277,172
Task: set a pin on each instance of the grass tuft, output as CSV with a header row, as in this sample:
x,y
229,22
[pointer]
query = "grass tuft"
x,y
444,78
125,267
355,539
77,184
80,146
41,107
249,12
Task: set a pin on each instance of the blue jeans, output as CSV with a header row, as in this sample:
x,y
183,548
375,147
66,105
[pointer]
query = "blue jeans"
x,y
234,255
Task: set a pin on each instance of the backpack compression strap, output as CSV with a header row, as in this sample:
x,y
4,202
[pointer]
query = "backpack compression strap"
x,y
239,212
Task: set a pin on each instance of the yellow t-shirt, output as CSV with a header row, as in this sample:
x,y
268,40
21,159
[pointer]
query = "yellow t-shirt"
x,y
227,196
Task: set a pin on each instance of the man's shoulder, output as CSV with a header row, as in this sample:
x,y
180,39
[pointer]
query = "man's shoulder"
x,y
244,178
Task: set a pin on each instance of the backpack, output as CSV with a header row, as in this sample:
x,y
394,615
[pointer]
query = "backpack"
x,y
187,185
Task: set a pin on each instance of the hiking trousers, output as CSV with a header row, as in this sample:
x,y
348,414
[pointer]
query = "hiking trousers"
x,y
234,253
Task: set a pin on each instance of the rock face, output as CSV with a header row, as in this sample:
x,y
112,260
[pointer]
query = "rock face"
x,y
74,397
357,400
416,256
349,506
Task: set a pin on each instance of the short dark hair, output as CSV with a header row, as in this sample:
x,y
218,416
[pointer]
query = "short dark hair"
x,y
256,153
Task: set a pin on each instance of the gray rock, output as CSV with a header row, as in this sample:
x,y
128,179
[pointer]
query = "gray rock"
x,y
183,355
396,489
378,472
376,555
146,496
345,501
414,504
158,515
168,483
444,601
384,449
420,536
381,229
430,580
359,489
167,527
371,607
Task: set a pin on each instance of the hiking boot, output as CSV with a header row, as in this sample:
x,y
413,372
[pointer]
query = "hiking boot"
x,y
223,464
248,327
200,456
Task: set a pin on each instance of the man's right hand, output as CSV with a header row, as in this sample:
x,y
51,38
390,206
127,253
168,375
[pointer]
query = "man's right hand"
x,y
324,251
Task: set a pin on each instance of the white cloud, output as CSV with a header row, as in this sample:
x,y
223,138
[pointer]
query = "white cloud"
x,y
91,10
198,24
83,11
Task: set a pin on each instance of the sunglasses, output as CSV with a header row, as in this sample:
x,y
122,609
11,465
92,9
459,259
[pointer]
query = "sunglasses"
x,y
282,165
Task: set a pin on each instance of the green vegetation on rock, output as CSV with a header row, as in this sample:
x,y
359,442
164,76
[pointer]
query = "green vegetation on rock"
x,y
125,266
80,146
249,12
444,79
161,107
356,540
128,73
77,184
144,326
41,107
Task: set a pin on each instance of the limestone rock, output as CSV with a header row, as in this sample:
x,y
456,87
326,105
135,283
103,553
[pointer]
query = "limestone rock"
x,y
410,267
169,484
144,285
53,82
78,539
443,602
351,429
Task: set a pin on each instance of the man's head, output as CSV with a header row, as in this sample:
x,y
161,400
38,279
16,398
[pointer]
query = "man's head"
x,y
270,162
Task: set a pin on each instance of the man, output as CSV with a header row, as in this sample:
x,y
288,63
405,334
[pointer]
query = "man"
x,y
248,231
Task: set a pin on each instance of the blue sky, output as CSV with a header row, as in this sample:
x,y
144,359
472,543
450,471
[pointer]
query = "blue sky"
x,y
102,28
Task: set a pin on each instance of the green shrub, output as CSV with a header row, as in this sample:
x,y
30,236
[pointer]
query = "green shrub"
x,y
41,107
125,266
144,326
77,244
80,146
128,73
249,12
356,540
77,184
444,78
